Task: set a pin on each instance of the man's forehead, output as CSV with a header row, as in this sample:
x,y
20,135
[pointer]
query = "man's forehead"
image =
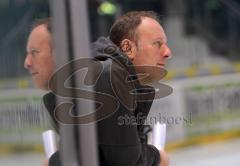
x,y
152,29
40,29
37,35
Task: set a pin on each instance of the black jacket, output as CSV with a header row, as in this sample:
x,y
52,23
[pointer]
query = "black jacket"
x,y
119,130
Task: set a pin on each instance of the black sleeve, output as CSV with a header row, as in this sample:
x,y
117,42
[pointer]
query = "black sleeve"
x,y
150,155
49,101
55,159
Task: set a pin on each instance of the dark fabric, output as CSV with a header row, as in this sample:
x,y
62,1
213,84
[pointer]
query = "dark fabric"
x,y
49,101
150,155
120,133
55,159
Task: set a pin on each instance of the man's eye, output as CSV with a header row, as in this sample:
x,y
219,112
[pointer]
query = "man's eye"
x,y
34,52
158,44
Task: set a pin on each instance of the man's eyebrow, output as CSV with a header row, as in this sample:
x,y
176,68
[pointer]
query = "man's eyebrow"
x,y
32,50
158,40
162,40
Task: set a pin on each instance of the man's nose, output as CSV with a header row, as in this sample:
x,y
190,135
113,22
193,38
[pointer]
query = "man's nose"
x,y
28,62
167,52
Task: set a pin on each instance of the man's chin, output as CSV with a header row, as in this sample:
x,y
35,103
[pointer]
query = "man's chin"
x,y
161,65
40,85
150,74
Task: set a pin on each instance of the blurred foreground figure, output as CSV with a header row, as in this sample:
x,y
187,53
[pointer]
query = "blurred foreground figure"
x,y
137,44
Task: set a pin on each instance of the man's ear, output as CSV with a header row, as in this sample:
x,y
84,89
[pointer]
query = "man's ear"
x,y
129,48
